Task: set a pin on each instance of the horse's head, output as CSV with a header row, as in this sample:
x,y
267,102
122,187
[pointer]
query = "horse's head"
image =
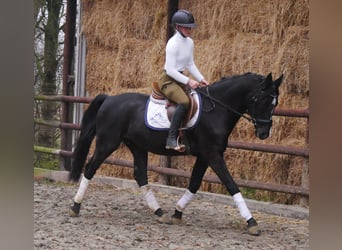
x,y
261,103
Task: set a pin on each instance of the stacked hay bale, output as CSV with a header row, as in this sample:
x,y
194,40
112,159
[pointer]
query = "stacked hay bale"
x,y
125,53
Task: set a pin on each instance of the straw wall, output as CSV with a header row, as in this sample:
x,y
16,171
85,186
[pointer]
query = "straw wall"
x,y
125,52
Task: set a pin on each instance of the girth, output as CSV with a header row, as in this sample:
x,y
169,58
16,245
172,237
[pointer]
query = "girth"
x,y
171,106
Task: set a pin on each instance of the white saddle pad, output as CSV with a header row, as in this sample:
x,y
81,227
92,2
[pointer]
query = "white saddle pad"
x,y
156,114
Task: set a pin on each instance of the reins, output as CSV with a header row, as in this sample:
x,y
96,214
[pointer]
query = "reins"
x,y
213,99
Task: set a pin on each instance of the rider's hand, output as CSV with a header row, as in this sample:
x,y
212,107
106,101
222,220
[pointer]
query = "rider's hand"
x,y
193,83
204,82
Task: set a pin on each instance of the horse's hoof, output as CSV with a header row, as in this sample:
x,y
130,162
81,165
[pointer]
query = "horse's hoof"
x,y
164,219
253,228
176,221
74,210
72,213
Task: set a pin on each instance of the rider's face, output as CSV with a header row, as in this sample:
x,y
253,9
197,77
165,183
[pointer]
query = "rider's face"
x,y
185,30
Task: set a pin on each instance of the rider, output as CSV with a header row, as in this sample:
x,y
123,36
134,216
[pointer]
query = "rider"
x,y
179,56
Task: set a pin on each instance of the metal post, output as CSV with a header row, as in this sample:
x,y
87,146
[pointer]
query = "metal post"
x,y
67,78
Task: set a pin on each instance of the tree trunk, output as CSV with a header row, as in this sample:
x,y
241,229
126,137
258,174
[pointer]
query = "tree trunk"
x,y
49,86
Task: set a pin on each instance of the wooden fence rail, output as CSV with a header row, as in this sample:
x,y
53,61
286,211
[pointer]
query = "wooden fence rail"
x,y
181,173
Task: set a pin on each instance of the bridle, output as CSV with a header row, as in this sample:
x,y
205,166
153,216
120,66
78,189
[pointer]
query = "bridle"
x,y
249,118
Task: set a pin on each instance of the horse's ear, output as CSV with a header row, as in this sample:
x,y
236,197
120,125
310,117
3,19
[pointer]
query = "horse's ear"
x,y
269,77
278,81
268,81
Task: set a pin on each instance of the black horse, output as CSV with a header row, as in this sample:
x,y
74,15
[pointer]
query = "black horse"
x,y
120,118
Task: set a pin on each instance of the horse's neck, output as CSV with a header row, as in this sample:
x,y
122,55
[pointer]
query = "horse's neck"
x,y
231,94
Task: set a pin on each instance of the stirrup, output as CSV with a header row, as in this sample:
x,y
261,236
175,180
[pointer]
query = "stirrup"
x,y
179,147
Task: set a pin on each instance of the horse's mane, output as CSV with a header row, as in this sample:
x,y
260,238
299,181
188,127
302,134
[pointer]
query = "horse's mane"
x,y
234,79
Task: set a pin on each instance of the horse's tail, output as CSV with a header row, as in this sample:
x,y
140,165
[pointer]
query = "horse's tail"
x,y
88,131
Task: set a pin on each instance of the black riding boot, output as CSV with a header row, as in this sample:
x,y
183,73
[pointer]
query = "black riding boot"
x,y
171,142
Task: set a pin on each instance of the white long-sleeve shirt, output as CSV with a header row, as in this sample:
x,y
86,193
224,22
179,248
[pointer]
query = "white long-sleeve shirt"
x,y
179,56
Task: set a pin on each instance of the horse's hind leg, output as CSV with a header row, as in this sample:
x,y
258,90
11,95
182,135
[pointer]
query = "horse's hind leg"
x,y
102,151
140,176
75,208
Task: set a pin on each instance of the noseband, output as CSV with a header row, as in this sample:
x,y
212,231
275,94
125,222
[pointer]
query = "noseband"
x,y
249,118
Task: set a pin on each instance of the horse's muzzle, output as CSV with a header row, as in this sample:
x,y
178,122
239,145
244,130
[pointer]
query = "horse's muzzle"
x,y
262,128
262,134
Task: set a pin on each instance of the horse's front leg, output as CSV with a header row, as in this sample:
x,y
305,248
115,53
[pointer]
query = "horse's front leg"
x,y
197,174
218,164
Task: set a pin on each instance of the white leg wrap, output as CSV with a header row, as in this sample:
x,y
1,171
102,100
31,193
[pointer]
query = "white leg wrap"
x,y
241,204
81,190
151,201
184,201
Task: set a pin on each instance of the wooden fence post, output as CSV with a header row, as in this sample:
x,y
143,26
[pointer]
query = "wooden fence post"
x,y
164,162
304,201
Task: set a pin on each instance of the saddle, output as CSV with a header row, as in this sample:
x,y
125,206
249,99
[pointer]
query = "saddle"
x,y
171,106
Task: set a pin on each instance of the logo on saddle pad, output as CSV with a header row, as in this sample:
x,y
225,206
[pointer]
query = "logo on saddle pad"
x,y
158,112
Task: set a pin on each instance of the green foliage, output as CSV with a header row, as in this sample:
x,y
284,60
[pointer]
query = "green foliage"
x,y
248,192
46,161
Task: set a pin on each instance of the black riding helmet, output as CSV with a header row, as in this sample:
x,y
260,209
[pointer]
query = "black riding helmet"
x,y
183,18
